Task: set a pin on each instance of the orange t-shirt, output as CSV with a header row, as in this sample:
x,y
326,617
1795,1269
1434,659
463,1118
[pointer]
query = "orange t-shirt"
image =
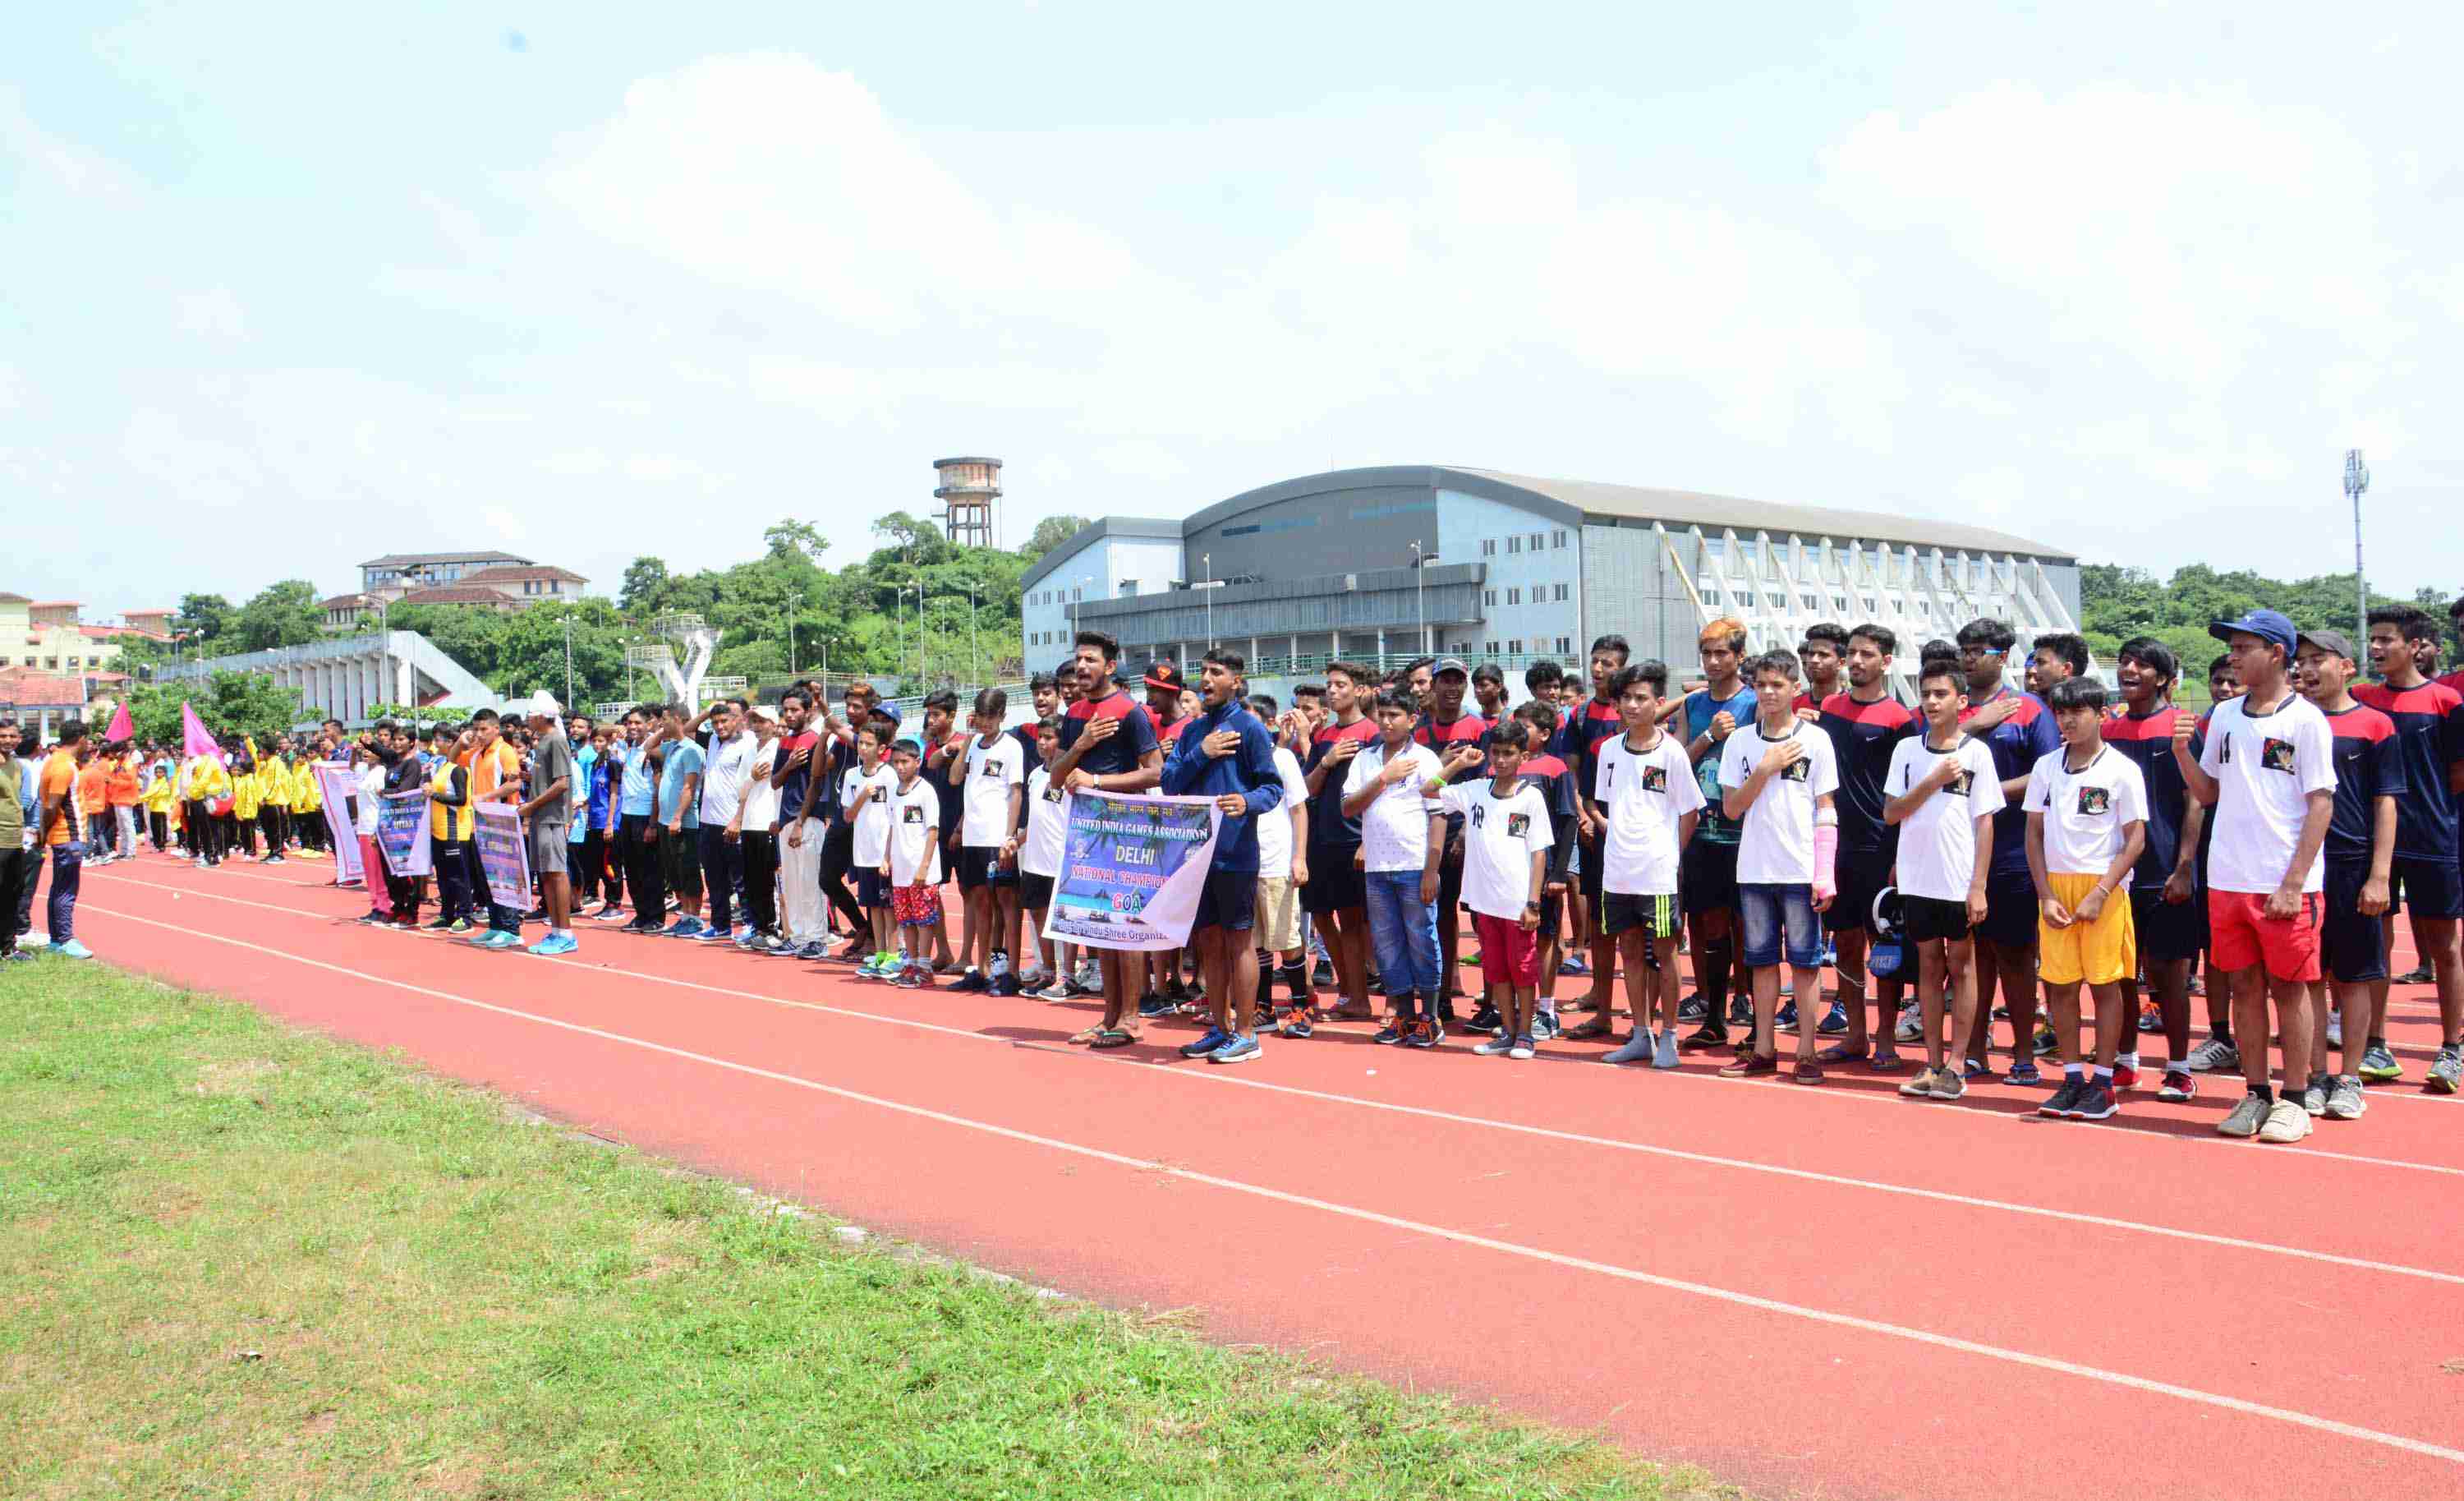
x,y
62,785
125,792
490,767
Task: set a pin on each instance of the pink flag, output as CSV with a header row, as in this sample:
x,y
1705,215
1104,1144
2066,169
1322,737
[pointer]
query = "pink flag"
x,y
192,730
123,727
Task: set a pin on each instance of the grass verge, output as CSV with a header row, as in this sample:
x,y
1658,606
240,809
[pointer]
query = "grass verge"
x,y
245,1261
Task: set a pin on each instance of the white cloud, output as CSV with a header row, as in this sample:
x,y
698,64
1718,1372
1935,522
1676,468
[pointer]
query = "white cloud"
x,y
212,313
81,171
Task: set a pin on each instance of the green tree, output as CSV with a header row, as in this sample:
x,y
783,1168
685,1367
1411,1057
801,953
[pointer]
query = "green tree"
x,y
229,703
1050,533
282,614
645,579
794,538
203,617
532,653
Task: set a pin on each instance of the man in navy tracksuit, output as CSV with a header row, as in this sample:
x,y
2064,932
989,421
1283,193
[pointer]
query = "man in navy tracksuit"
x,y
1226,754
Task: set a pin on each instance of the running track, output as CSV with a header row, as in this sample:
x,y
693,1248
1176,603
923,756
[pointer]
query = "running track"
x,y
1827,1292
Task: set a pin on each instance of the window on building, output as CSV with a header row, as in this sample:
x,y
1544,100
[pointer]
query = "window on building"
x,y
1714,596
1489,546
1514,544
1561,591
51,664
1537,538
1513,648
1840,603
1871,608
1813,603
1488,597
1488,648
1558,539
1565,645
1515,596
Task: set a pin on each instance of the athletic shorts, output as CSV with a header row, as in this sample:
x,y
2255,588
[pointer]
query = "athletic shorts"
x,y
1228,901
871,889
979,865
1589,867
2168,930
2352,948
2010,909
1706,880
1930,917
1778,921
2240,935
917,906
1334,883
2104,952
1654,914
1278,914
1508,956
1861,877
680,862
548,845
1035,892
2430,888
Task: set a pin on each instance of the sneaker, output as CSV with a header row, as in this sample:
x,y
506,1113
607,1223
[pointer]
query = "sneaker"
x,y
374,920
1486,1019
1214,1038
1573,965
2095,1102
1296,1024
2180,1084
72,949
613,914
2064,1100
1910,1026
1470,960
974,982
2286,1121
552,945
706,935
1741,1011
1833,1021
2126,1075
16,956
1640,1047
2023,1073
1704,1040
1152,1005
1243,1049
816,951
2379,1065
1525,1046
2446,1071
2249,1114
1000,967
2045,1043
910,977
1424,1035
1545,1028
2344,1100
2215,1055
1922,1086
439,923
1323,975
1691,1010
1494,1047
2314,1095
1948,1085
2151,1017
1394,1032
2416,977
1786,1019
683,928
1058,990
1753,1066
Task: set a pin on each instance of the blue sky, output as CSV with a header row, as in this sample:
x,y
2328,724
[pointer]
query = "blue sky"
x,y
288,286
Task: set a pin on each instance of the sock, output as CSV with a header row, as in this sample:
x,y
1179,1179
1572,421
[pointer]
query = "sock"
x,y
2265,1092
1713,960
2105,1075
2075,1073
2222,1032
2127,1060
2375,1040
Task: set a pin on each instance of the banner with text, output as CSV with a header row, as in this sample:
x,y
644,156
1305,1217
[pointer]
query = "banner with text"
x,y
1131,870
341,795
503,854
401,832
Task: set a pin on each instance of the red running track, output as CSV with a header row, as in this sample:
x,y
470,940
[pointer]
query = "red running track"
x,y
1825,1291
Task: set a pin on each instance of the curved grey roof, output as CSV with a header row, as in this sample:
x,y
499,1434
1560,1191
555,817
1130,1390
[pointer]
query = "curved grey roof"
x,y
1095,531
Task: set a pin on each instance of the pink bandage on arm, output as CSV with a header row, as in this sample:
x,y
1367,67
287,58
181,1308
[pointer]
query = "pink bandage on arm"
x,y
1826,859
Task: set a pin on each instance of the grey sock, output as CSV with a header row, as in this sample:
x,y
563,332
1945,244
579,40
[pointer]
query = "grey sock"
x,y
1638,1050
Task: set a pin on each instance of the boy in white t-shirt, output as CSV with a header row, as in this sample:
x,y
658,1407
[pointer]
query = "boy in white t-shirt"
x,y
1507,843
991,789
864,793
1941,793
2087,820
1035,851
1283,867
913,864
1777,778
2269,770
1645,793
1400,843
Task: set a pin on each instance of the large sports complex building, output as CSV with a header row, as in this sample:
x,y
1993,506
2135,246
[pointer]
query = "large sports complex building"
x,y
1392,562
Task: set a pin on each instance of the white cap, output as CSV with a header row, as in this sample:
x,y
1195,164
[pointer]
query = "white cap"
x,y
542,706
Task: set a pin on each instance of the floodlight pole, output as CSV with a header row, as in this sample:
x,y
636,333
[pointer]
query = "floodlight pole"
x,y
2357,482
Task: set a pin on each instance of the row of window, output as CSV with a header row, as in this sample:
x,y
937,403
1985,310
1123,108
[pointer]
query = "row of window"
x,y
1054,596
1745,598
1524,542
52,664
1558,592
1513,646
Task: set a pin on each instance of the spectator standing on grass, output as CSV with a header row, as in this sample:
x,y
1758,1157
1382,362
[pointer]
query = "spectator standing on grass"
x,y
16,850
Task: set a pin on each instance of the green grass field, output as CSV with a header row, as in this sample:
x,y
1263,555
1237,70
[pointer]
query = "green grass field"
x,y
247,1262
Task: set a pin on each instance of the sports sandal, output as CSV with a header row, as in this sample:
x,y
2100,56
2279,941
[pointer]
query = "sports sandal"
x,y
1598,1028
1112,1037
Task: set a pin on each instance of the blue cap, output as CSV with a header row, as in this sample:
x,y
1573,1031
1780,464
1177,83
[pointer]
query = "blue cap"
x,y
2265,624
888,708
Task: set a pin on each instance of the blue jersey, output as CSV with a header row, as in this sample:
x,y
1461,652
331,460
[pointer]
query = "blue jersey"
x,y
2429,719
1715,826
2017,743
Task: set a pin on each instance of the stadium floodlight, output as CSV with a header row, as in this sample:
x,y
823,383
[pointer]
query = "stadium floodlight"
x,y
2357,482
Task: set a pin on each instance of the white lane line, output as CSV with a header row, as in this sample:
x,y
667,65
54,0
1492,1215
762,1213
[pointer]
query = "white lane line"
x,y
2139,1383
1217,1075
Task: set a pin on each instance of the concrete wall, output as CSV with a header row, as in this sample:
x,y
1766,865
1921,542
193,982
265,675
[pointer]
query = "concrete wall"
x,y
1528,560
1326,531
1100,571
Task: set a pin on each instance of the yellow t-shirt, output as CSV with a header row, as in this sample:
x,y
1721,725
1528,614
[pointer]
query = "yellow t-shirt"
x,y
306,796
275,778
246,790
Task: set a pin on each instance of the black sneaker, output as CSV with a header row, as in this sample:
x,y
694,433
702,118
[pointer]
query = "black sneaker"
x,y
1741,1011
1486,1019
1692,1010
1152,1005
1324,975
1424,1033
2064,1100
972,983
1392,1032
2095,1102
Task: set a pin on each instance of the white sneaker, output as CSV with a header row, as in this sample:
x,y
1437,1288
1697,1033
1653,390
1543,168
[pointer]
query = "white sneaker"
x,y
1910,1028
2286,1121
2211,1056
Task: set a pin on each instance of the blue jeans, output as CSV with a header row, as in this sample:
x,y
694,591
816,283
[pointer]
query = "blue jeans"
x,y
67,860
1404,932
1772,913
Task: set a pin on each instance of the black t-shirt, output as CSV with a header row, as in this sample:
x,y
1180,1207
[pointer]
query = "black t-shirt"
x,y
1863,738
2147,740
1329,828
2370,764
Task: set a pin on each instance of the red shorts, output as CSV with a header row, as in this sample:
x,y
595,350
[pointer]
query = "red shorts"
x,y
2240,935
917,906
1507,954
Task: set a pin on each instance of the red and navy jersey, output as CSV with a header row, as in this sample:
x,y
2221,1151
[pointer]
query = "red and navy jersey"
x,y
2370,766
2147,740
1588,729
1127,746
1863,738
1467,729
2429,730
1329,828
2017,743
1556,782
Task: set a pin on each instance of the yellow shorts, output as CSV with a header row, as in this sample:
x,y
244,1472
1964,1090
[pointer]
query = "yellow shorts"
x,y
2101,953
1278,919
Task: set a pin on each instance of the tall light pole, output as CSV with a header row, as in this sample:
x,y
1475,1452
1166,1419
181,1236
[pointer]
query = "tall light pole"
x,y
2356,481
1421,558
1208,560
568,661
793,596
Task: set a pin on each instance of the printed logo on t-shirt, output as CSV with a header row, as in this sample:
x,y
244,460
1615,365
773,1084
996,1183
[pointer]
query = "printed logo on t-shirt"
x,y
1654,778
992,766
911,814
1479,816
1800,769
1517,824
1054,792
2276,755
2093,801
1962,783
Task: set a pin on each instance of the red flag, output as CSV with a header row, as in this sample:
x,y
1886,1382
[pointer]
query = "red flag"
x,y
123,727
198,739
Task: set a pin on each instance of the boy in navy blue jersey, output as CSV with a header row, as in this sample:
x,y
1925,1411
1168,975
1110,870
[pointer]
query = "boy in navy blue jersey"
x,y
1585,729
1443,725
2429,720
1866,725
2020,731
1554,780
1227,752
2165,910
2360,854
1335,893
